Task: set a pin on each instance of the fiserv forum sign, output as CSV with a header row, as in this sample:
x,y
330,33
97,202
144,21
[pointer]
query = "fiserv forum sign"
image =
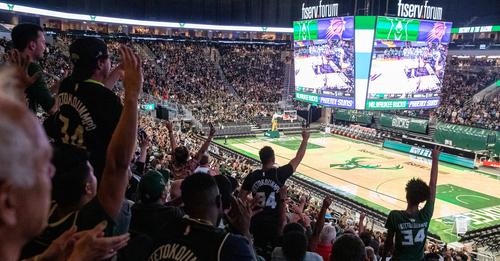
x,y
321,10
420,11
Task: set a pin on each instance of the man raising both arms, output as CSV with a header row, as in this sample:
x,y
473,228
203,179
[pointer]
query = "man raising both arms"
x,y
264,184
410,226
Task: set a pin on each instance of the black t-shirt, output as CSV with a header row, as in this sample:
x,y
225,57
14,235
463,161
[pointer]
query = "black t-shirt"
x,y
189,239
86,218
148,219
87,117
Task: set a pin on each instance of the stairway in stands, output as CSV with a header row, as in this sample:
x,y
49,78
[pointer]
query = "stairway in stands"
x,y
432,129
215,57
289,82
145,52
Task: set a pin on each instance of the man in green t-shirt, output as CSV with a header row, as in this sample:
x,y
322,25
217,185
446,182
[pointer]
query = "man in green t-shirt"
x,y
29,40
409,227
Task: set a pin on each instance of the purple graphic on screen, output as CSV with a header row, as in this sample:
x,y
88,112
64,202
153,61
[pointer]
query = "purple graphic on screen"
x,y
431,31
336,28
299,44
423,103
347,103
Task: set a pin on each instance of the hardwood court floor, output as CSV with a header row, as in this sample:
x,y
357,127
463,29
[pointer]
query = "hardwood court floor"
x,y
377,177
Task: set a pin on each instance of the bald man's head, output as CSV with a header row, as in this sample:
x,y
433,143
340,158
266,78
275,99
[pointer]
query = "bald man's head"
x,y
20,133
25,175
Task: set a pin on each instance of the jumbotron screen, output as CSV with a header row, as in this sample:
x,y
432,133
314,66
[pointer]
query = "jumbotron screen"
x,y
408,62
324,61
372,63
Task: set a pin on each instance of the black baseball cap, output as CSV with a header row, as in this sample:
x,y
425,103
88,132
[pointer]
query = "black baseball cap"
x,y
87,50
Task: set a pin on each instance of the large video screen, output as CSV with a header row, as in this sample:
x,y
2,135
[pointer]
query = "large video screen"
x,y
408,62
324,61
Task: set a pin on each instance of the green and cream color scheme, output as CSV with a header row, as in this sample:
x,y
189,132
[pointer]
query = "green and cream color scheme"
x,y
364,30
376,177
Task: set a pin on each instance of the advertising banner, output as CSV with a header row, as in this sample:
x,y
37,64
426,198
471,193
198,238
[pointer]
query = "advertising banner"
x,y
404,123
354,116
427,153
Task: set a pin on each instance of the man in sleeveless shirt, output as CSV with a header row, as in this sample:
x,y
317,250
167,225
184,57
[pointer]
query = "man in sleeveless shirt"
x,y
264,184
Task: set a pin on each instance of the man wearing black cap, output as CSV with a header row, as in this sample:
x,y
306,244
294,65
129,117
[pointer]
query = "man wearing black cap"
x,y
88,111
150,213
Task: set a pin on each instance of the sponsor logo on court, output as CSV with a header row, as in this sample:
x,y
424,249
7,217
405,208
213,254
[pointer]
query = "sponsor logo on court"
x,y
357,163
375,154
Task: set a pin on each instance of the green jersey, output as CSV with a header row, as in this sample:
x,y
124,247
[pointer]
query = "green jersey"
x,y
38,93
410,231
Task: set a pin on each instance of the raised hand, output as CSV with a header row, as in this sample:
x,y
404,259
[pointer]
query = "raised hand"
x,y
133,77
20,64
143,140
212,131
327,201
436,152
91,245
240,215
169,125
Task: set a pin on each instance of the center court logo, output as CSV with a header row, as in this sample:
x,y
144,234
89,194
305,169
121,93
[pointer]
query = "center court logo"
x,y
357,163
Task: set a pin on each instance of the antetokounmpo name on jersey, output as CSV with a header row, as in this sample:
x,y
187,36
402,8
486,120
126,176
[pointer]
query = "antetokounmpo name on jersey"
x,y
265,182
73,101
173,252
412,225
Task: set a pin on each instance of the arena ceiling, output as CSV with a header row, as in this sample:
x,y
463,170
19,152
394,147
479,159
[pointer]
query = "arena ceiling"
x,y
261,12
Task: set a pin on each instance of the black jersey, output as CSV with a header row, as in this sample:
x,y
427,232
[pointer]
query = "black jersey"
x,y
191,239
87,117
265,185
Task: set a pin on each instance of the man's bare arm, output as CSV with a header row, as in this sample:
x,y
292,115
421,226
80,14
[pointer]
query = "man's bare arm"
x,y
114,181
302,150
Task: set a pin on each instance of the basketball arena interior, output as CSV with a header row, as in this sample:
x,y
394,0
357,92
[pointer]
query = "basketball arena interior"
x,y
312,115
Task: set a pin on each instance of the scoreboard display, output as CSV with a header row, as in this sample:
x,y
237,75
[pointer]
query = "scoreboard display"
x,y
324,61
372,63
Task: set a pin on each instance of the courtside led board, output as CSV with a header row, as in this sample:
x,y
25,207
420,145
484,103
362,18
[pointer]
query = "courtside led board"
x,y
372,63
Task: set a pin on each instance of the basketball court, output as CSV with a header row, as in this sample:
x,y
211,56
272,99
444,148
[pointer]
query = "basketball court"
x,y
374,176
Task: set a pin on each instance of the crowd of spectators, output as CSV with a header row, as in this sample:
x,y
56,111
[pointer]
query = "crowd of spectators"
x,y
457,105
178,202
255,71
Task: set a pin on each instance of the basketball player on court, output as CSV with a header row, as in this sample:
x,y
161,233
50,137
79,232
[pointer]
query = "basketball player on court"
x,y
410,226
264,184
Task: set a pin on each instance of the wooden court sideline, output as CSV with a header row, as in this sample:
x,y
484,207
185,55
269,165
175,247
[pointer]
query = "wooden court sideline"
x,y
375,174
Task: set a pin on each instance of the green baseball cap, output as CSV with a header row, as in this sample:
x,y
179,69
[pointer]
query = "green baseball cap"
x,y
151,186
